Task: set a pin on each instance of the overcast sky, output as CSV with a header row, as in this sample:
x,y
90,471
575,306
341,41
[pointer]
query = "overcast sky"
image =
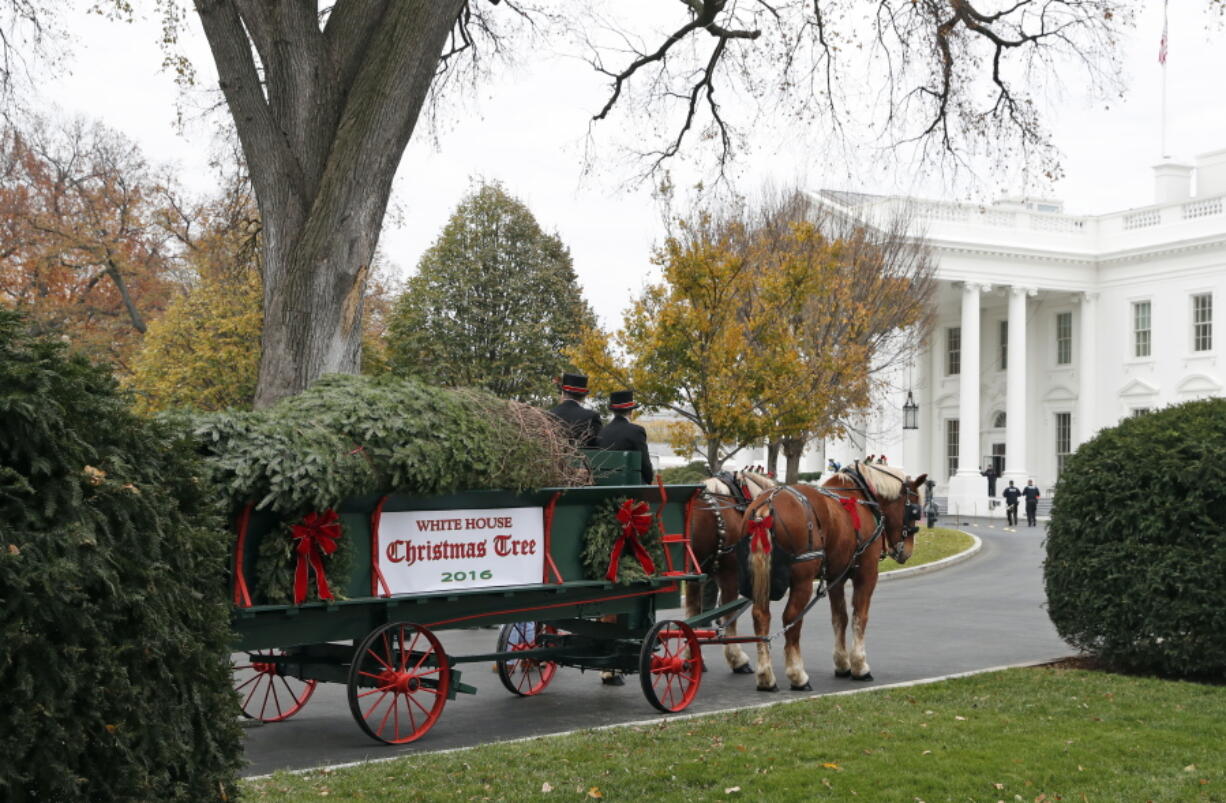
x,y
526,128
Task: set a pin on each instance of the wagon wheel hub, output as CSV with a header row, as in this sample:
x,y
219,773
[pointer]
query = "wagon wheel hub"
x,y
673,665
264,667
399,682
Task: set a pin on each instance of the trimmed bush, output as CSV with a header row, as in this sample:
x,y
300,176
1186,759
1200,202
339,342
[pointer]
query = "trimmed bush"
x,y
693,472
1136,547
114,634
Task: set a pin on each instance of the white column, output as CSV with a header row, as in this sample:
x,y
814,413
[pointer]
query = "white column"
x,y
1087,361
968,385
968,491
1015,396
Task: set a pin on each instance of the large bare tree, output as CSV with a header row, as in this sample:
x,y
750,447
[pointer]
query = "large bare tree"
x,y
325,97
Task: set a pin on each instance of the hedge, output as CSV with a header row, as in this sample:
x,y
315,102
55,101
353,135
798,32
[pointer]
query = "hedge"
x,y
1137,543
115,629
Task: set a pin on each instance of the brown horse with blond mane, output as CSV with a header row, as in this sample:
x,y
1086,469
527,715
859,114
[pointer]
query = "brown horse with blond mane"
x,y
829,534
714,525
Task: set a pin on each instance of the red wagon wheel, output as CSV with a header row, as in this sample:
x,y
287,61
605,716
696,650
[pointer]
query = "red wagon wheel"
x,y
398,682
266,693
670,666
524,676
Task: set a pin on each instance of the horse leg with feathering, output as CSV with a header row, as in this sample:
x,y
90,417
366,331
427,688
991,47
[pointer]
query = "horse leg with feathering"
x,y
716,520
828,535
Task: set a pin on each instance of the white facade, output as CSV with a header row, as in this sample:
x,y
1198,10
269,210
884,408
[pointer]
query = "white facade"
x,y
1051,326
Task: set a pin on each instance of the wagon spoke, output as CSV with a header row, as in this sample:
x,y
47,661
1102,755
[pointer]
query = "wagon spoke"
x,y
386,666
375,704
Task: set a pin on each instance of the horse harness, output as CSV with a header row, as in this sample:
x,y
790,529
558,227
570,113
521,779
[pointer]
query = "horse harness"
x,y
825,582
738,500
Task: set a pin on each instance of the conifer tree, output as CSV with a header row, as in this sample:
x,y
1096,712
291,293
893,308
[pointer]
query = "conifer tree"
x,y
494,304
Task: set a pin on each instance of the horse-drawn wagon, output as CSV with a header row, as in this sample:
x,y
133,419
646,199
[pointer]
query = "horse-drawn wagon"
x,y
422,565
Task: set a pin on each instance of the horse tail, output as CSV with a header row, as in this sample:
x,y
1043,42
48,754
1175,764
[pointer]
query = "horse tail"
x,y
760,559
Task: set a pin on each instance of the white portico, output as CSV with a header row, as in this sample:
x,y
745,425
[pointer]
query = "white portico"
x,y
1051,326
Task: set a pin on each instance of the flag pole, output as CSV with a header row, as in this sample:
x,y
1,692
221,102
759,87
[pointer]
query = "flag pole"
x,y
1162,53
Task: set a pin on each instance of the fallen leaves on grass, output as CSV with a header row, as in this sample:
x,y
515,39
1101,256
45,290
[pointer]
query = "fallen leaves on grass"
x,y
732,790
546,787
594,792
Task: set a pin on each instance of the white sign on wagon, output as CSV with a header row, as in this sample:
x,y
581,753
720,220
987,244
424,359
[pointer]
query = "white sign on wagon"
x,y
443,550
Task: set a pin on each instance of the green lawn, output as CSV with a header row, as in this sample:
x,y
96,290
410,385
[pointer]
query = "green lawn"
x,y
932,545
1034,735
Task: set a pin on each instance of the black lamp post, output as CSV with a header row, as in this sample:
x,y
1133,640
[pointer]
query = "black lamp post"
x,y
910,413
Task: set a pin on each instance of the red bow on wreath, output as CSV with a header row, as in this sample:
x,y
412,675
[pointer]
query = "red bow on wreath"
x,y
849,505
635,518
316,537
759,534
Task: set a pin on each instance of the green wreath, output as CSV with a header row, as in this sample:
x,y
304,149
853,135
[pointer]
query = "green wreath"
x,y
602,531
277,561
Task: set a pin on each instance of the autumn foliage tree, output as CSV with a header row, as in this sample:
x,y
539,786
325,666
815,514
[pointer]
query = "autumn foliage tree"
x,y
686,343
769,323
204,352
851,299
83,254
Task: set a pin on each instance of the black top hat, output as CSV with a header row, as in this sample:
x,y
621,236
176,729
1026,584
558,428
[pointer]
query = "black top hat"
x,y
574,383
622,400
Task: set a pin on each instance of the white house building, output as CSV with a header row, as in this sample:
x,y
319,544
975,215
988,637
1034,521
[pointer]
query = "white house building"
x,y
1051,326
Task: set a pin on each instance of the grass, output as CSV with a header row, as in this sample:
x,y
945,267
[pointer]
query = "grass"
x,y
1034,735
932,545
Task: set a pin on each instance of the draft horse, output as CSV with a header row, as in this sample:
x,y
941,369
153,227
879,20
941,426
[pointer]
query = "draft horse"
x,y
714,524
827,535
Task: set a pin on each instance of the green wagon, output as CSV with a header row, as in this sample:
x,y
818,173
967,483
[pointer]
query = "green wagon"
x,y
479,558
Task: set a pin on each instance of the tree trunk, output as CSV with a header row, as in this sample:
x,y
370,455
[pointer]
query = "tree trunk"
x,y
772,457
714,464
793,448
323,132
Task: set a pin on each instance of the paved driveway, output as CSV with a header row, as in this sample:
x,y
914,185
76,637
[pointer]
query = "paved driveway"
x,y
982,613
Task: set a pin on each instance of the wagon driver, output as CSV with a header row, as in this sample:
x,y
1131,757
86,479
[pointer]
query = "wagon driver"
x,y
582,423
625,436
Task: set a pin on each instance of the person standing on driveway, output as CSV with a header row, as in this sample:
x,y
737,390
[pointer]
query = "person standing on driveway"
x,y
1032,502
1011,494
990,473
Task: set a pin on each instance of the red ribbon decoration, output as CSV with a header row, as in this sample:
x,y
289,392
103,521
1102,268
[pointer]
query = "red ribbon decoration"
x,y
635,518
849,505
316,537
759,534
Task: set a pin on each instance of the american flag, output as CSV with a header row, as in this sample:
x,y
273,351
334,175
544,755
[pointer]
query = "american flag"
x,y
1162,45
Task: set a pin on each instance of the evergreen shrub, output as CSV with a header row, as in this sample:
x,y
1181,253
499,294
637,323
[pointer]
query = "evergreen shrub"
x,y
1137,543
692,472
114,629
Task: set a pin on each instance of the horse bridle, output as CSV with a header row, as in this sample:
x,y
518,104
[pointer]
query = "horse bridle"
x,y
912,513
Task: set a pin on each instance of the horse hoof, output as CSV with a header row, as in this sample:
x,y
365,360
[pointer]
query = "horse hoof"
x,y
865,676
806,687
743,669
770,688
842,673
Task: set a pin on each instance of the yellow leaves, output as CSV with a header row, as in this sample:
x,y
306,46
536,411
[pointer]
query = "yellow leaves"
x,y
595,793
546,787
14,550
94,476
830,765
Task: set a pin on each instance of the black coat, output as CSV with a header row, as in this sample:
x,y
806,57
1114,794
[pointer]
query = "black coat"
x,y
1031,493
1012,494
623,436
584,424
